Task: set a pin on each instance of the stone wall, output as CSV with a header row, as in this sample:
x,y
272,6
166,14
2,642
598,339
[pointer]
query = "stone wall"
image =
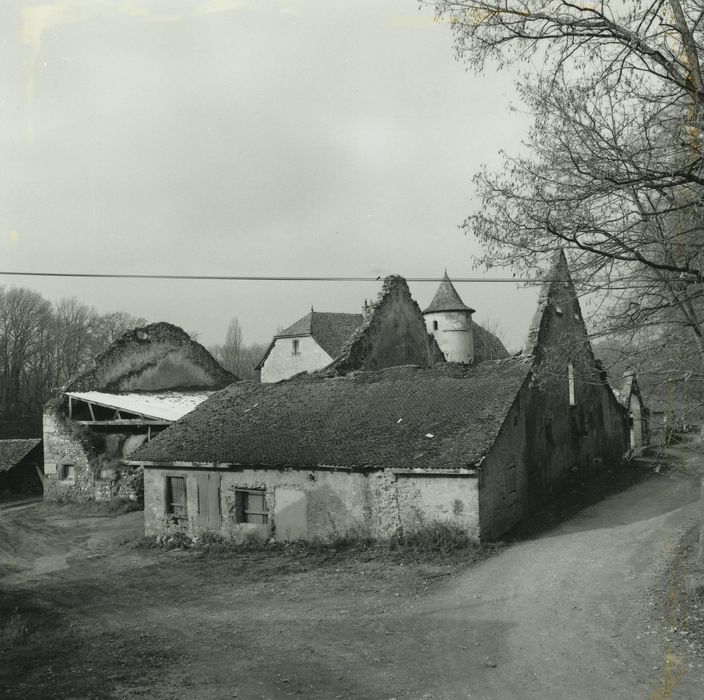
x,y
97,458
282,362
317,504
579,428
392,334
427,498
66,443
501,506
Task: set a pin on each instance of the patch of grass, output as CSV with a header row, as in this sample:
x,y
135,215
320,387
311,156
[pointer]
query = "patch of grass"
x,y
432,542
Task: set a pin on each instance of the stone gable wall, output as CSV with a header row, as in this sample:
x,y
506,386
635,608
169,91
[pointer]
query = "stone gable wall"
x,y
392,334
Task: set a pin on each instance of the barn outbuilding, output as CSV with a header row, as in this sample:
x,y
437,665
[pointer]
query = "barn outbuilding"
x,y
382,451
142,383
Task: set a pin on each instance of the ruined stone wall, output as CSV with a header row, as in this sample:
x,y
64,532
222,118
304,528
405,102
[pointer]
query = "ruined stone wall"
x,y
97,459
282,362
392,334
66,443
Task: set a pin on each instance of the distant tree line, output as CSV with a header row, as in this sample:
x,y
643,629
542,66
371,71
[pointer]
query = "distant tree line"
x,y
236,356
43,344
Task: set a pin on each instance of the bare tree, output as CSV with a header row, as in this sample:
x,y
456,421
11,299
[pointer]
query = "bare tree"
x,y
613,170
236,356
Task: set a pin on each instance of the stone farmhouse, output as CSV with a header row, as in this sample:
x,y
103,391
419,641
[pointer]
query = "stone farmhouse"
x,y
143,382
386,439
630,398
320,339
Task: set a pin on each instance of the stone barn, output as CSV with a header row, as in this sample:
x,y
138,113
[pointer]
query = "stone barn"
x,y
630,397
143,382
381,451
21,467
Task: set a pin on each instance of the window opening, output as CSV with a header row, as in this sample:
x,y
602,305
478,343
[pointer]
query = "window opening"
x,y
176,504
250,506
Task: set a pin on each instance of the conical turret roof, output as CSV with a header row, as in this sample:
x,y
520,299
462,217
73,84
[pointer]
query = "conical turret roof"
x,y
447,299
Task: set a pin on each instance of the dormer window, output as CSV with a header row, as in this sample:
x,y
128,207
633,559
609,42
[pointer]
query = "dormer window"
x,y
294,347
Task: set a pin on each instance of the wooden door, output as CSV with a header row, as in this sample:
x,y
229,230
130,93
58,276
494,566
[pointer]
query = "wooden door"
x,y
209,517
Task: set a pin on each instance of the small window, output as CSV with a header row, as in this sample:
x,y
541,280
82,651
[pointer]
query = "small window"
x,y
570,380
435,325
511,478
250,506
294,347
558,310
67,471
176,496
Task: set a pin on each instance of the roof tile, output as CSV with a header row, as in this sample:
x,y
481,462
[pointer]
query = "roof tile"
x,y
365,419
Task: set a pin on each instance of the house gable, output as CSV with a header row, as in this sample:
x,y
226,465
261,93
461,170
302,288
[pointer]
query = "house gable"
x,y
393,333
573,419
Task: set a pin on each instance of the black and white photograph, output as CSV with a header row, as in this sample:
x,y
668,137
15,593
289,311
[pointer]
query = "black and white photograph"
x,y
352,350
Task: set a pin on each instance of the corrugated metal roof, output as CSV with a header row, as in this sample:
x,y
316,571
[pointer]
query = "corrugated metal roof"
x,y
159,405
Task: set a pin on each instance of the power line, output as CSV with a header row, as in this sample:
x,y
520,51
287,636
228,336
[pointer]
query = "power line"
x,y
254,278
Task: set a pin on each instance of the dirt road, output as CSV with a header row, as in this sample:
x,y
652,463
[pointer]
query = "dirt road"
x,y
575,613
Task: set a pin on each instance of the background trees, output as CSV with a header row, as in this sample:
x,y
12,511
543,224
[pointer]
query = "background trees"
x,y
235,356
41,346
613,164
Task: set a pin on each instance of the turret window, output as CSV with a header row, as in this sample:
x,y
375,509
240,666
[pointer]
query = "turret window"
x,y
435,325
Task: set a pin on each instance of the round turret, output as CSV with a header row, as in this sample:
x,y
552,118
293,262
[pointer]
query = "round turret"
x,y
449,321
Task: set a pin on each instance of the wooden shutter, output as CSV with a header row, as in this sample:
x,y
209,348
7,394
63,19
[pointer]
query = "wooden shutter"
x,y
209,517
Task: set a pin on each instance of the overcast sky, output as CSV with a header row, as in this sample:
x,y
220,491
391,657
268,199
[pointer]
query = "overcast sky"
x,y
261,137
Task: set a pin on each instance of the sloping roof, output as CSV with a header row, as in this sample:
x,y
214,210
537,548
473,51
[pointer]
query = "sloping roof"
x,y
329,329
486,345
446,298
443,417
158,405
12,451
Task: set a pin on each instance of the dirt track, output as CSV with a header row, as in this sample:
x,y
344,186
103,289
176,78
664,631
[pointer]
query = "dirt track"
x,y
567,615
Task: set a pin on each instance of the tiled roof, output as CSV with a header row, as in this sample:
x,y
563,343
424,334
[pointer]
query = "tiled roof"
x,y
486,345
12,451
443,417
446,298
330,330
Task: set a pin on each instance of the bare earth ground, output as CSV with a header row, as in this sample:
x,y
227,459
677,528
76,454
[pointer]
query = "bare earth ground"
x,y
588,609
